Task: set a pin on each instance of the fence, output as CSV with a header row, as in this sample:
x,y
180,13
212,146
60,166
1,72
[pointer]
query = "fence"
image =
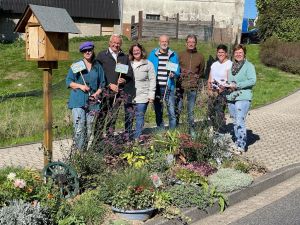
x,y
174,28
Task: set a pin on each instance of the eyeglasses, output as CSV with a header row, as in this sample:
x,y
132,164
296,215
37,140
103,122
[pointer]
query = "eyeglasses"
x,y
87,50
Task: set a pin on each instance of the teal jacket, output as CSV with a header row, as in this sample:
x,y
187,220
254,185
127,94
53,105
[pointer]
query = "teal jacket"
x,y
245,79
94,78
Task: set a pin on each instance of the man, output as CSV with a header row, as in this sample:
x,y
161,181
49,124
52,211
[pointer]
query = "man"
x,y
192,70
165,89
120,86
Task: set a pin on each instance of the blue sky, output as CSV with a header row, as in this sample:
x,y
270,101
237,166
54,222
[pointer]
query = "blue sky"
x,y
250,10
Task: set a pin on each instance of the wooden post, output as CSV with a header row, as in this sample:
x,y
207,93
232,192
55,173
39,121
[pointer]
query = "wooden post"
x,y
140,28
47,95
132,19
212,27
177,25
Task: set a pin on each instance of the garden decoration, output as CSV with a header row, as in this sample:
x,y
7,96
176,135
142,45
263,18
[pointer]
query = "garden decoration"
x,y
46,35
64,176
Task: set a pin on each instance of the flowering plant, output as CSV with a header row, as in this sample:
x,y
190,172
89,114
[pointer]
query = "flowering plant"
x,y
23,184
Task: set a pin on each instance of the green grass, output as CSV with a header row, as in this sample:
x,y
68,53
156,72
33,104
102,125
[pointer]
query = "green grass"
x,y
22,118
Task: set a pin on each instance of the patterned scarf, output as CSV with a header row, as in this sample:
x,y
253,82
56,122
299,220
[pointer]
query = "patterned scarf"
x,y
236,66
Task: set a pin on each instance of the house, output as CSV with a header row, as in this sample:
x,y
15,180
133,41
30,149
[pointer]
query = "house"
x,y
92,17
104,17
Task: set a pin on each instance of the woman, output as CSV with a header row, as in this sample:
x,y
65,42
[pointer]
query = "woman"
x,y
217,81
145,84
242,78
86,84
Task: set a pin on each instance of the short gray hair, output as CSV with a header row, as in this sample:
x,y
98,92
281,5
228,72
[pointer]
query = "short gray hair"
x,y
117,36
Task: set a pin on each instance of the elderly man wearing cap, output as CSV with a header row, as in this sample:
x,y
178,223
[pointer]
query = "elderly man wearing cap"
x,y
85,84
117,83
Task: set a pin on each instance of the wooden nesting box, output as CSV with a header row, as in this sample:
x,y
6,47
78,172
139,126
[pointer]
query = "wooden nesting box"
x,y
46,33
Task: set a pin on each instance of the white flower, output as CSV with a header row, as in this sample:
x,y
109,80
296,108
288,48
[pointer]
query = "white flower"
x,y
20,183
11,176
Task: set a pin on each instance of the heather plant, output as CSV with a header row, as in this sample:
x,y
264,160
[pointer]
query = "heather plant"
x,y
228,180
188,195
202,168
19,212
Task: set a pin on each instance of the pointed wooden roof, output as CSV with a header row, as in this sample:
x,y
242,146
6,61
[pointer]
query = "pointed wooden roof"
x,y
50,18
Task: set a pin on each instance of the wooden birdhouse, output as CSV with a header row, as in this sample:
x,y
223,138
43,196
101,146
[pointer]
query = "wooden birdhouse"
x,y
46,32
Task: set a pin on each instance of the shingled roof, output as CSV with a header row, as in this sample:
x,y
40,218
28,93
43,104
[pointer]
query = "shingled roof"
x,y
98,9
50,18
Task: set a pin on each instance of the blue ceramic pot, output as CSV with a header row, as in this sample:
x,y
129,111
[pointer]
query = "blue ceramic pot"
x,y
139,214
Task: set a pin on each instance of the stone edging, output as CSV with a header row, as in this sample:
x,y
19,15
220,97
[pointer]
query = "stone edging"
x,y
260,184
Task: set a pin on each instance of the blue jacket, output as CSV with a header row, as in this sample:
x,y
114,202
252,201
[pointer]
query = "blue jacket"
x,y
95,79
173,57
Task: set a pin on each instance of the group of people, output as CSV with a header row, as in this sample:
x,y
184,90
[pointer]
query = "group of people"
x,y
162,78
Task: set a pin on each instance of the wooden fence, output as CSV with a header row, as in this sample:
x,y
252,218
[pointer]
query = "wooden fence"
x,y
174,28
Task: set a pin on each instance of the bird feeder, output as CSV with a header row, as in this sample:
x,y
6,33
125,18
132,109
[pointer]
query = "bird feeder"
x,y
46,35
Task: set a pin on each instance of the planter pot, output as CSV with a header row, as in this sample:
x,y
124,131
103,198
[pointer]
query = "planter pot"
x,y
141,214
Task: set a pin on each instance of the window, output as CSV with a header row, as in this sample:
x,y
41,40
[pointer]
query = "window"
x,y
152,17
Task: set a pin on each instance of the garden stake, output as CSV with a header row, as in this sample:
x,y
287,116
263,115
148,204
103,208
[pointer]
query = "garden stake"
x,y
118,87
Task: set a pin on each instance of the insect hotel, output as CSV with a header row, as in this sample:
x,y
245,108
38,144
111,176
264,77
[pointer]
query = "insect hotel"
x,y
46,35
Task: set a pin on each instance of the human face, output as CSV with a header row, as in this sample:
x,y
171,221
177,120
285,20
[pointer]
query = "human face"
x,y
164,42
115,44
88,54
191,44
137,53
239,55
222,55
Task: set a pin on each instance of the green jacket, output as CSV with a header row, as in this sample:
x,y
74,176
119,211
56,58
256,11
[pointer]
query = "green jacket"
x,y
245,79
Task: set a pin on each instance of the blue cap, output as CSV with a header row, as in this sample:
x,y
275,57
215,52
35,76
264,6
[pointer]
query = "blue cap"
x,y
86,45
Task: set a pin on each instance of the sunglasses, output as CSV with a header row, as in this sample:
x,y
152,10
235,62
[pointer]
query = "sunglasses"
x,y
87,50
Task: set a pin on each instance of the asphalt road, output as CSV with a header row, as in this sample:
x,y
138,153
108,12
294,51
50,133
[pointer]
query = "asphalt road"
x,y
285,211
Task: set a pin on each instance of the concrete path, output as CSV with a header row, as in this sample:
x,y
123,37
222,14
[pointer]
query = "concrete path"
x,y
274,132
259,210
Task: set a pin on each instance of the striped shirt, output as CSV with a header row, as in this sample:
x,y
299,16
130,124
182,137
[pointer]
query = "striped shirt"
x,y
162,73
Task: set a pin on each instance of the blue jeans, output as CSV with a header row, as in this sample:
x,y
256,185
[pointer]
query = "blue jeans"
x,y
191,100
83,127
140,111
238,111
158,107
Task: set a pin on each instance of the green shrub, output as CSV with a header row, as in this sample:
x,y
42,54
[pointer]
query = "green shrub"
x,y
227,180
283,55
25,214
85,209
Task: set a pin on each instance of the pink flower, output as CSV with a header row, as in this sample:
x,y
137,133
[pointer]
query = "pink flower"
x,y
20,183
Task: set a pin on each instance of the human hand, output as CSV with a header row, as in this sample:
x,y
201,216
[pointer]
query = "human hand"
x,y
84,88
150,100
121,81
171,74
114,88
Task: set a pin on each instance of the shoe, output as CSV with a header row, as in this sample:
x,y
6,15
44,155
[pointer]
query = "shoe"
x,y
236,150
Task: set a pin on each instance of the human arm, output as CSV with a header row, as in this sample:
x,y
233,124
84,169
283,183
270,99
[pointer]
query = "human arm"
x,y
152,82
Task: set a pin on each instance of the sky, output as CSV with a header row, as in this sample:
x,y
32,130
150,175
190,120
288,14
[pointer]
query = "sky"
x,y
250,10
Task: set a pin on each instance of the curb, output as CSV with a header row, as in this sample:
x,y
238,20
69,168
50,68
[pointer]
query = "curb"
x,y
260,184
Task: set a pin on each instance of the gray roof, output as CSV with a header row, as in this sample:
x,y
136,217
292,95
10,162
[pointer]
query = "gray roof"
x,y
50,18
54,19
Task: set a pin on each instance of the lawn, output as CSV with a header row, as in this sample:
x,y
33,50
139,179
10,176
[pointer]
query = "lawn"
x,y
22,118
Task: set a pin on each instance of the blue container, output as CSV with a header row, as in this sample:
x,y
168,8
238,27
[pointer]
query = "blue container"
x,y
141,214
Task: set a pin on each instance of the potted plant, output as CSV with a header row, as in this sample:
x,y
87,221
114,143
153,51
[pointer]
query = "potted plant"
x,y
131,193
